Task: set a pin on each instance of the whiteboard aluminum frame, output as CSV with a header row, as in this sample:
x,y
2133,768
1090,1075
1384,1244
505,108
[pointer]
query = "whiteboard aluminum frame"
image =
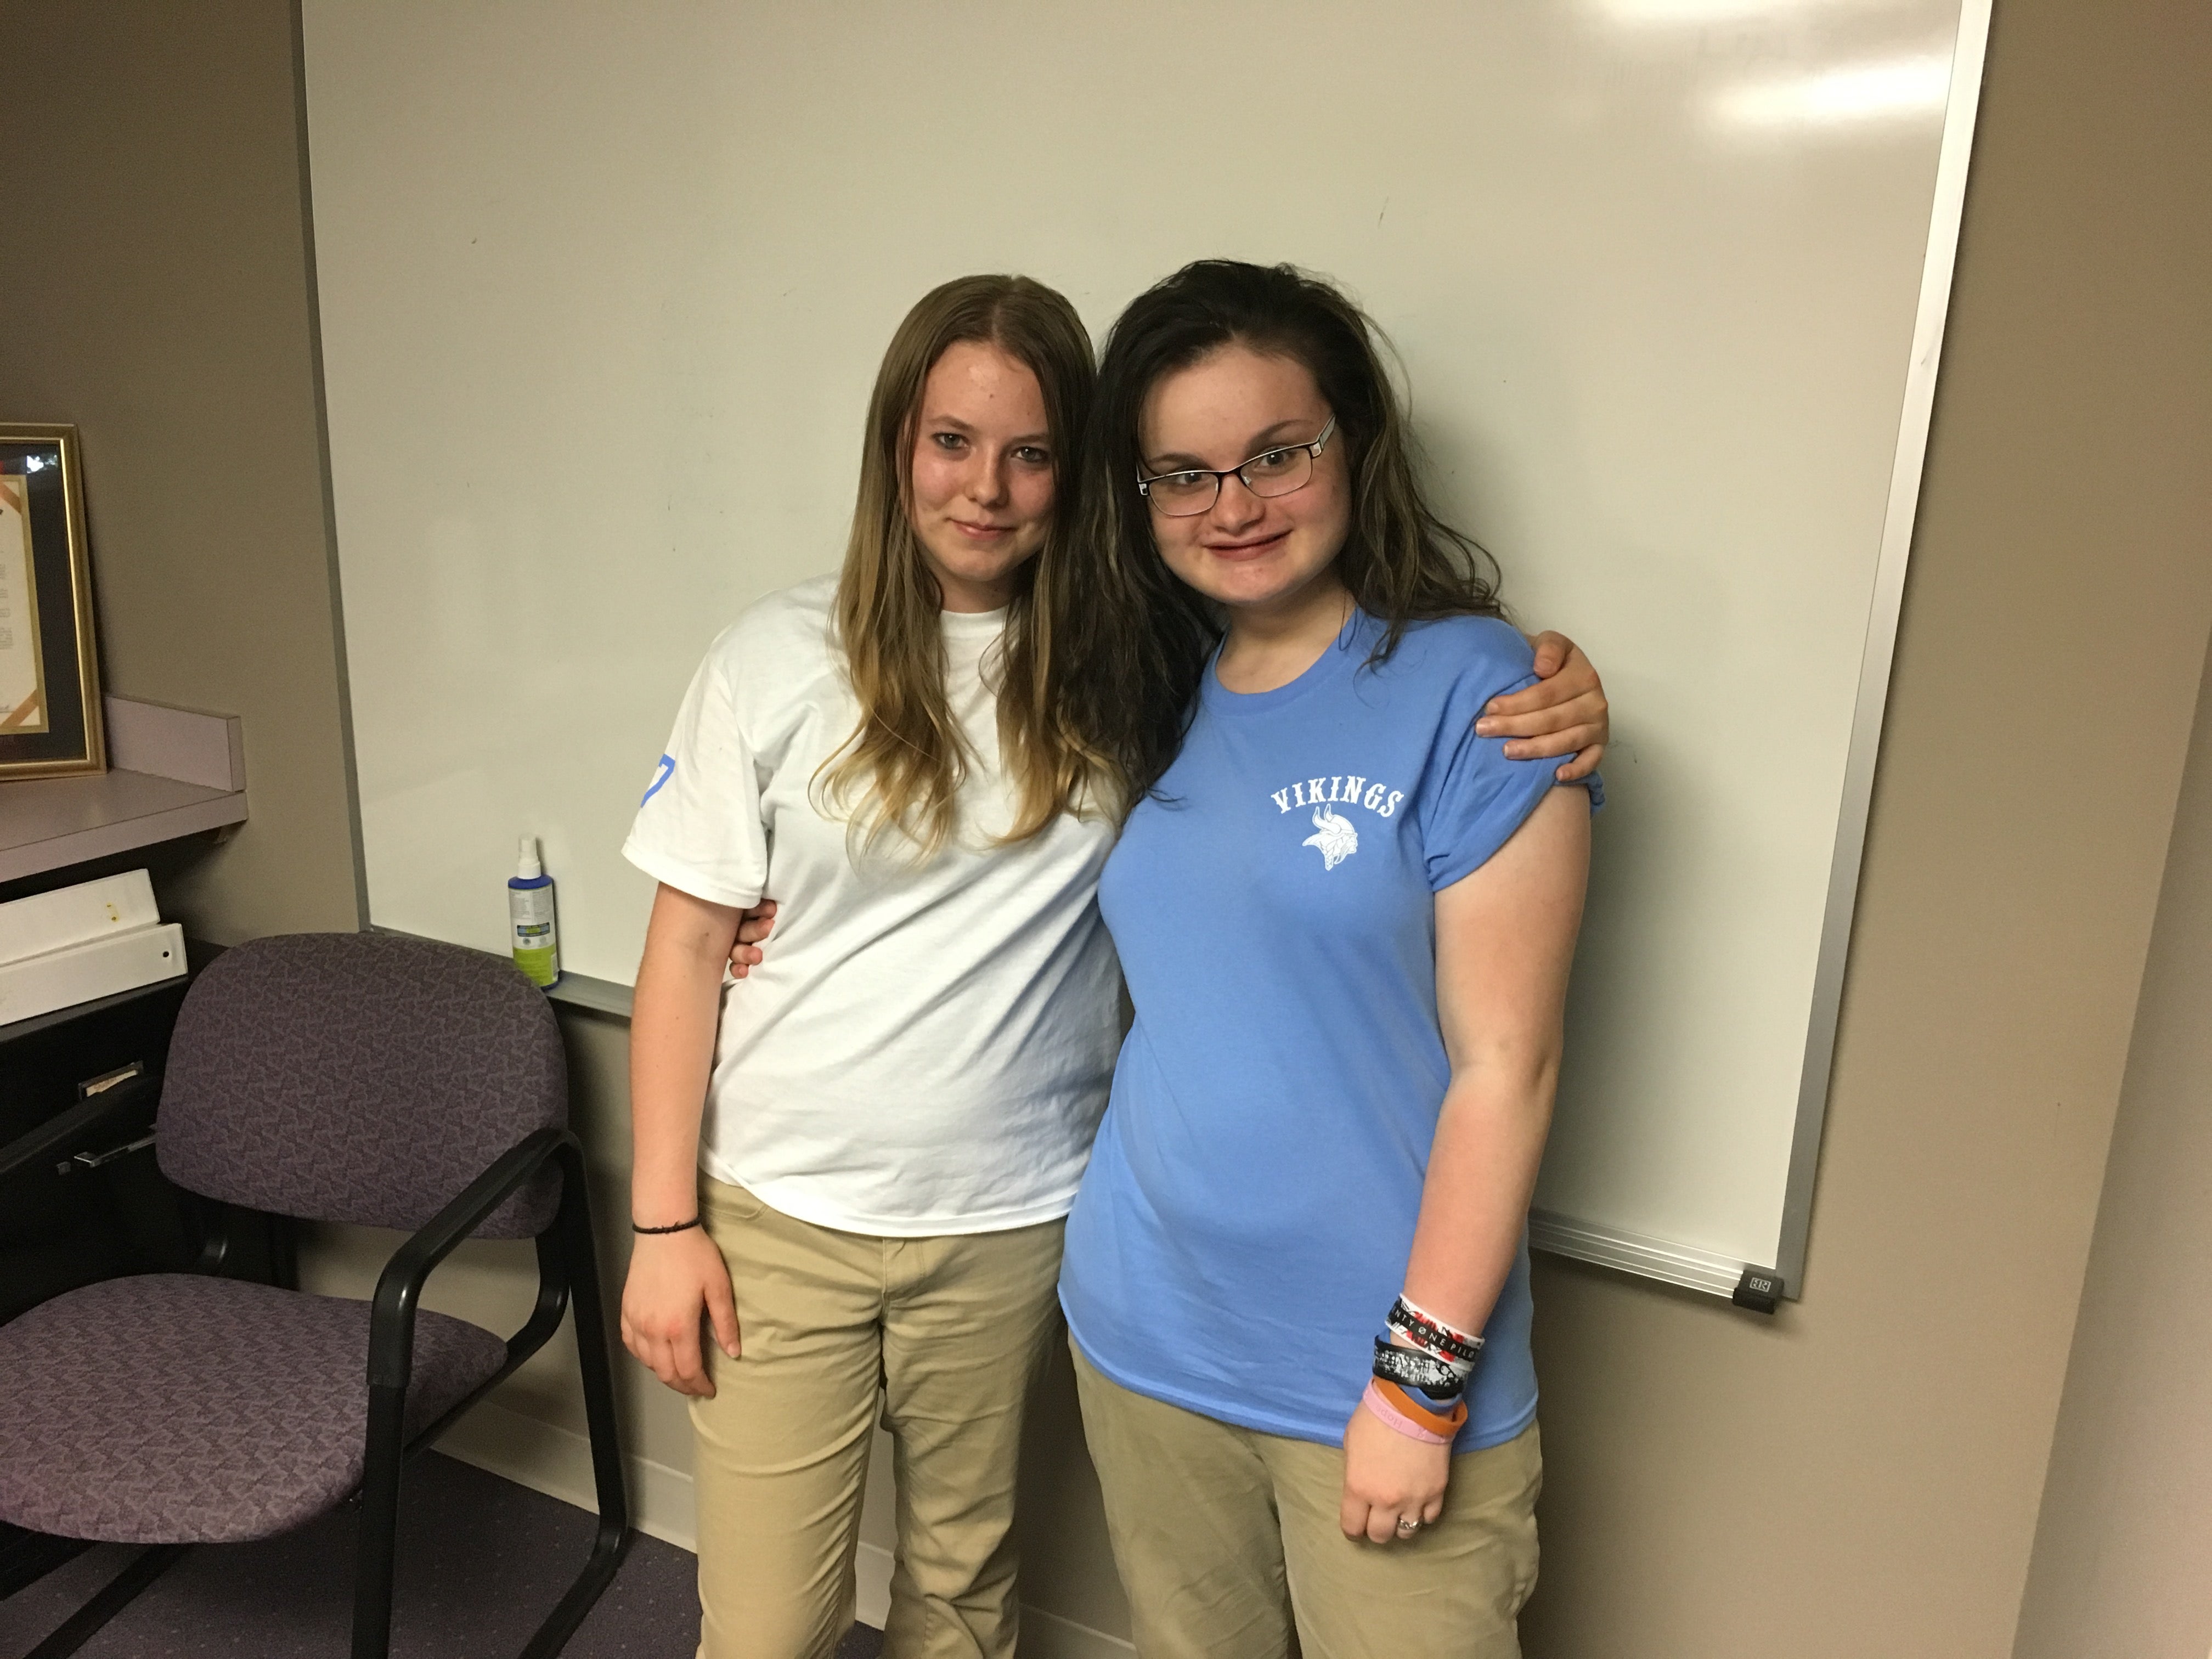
x,y
1633,1253
1698,1269
1643,1255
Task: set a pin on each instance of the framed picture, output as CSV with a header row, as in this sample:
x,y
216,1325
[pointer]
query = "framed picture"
x,y
49,663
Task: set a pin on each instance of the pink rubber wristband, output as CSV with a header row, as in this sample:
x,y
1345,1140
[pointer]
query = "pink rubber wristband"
x,y
1375,1402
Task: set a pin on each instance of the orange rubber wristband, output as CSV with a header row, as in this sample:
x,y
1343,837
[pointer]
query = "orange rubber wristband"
x,y
1418,1414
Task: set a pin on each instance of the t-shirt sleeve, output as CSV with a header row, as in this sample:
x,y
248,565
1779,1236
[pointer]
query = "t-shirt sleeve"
x,y
699,827
1476,797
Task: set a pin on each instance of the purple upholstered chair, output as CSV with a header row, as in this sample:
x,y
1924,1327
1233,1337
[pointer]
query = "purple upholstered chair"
x,y
335,1077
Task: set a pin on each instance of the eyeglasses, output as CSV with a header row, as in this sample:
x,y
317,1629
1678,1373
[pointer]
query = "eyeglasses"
x,y
1276,471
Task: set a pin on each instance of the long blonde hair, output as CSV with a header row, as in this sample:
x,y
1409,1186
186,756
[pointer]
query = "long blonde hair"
x,y
903,767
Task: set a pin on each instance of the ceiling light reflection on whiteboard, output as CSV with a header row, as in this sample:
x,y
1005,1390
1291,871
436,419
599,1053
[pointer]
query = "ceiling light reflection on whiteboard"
x,y
1904,87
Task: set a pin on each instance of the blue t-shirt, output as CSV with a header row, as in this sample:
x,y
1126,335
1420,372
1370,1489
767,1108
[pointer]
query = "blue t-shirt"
x,y
1251,1203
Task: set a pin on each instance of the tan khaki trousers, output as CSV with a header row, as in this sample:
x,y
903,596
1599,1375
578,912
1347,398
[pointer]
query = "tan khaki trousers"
x,y
954,1331
1228,1538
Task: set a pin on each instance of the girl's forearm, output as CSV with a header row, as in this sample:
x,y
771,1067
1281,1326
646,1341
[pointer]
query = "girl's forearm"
x,y
1474,1203
672,1023
1506,941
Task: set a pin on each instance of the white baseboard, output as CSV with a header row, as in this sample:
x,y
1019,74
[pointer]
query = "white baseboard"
x,y
557,1461
871,1585
1048,1635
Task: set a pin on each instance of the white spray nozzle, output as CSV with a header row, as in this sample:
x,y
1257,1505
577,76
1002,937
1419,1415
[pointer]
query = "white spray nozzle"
x,y
527,866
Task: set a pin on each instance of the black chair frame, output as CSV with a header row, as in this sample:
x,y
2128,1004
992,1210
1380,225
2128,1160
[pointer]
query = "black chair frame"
x,y
568,1270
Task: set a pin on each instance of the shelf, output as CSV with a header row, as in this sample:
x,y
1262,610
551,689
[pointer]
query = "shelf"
x,y
601,996
173,772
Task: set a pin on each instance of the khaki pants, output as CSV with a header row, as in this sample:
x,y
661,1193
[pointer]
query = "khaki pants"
x,y
954,1331
1226,1539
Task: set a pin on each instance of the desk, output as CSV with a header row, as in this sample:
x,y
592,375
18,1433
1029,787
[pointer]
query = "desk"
x,y
56,1231
173,772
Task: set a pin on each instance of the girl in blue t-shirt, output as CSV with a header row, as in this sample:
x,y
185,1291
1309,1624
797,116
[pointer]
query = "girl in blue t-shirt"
x,y
1345,918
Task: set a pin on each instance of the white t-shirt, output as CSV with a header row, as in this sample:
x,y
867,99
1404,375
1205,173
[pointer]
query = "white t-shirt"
x,y
924,1050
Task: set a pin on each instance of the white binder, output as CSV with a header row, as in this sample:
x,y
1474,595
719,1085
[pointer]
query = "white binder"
x,y
75,916
119,961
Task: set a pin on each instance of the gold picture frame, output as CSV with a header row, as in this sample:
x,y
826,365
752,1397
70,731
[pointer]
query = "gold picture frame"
x,y
50,711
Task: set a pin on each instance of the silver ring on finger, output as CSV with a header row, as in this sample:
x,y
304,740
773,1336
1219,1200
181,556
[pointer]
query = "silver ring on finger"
x,y
1408,1526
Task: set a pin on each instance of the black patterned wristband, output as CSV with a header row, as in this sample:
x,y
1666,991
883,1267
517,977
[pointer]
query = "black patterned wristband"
x,y
680,1227
1410,1368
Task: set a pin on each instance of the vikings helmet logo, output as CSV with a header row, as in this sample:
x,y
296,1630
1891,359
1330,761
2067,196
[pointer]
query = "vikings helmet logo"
x,y
1335,837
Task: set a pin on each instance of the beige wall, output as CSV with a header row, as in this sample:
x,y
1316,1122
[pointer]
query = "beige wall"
x,y
2122,1561
154,291
1861,1476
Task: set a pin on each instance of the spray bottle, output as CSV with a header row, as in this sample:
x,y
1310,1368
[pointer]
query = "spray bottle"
x,y
535,937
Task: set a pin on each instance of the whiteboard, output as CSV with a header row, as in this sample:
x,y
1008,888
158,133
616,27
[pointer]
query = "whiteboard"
x,y
603,291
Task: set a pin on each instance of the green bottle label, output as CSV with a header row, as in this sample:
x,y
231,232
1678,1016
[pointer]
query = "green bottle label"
x,y
541,966
536,945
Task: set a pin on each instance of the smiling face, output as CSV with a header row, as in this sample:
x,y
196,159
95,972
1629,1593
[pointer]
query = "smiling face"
x,y
1248,552
982,496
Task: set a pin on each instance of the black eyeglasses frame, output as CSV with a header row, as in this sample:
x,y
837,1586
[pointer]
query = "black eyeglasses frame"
x,y
1313,448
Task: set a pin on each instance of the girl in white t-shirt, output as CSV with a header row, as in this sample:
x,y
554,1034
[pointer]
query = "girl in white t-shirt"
x,y
853,1170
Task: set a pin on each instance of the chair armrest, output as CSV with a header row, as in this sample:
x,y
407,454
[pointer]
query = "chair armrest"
x,y
61,1137
399,1288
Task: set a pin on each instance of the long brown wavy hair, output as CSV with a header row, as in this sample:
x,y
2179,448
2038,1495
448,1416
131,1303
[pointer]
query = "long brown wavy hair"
x,y
903,767
1133,639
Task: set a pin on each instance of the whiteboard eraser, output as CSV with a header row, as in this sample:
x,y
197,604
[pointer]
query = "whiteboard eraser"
x,y
98,967
1759,1290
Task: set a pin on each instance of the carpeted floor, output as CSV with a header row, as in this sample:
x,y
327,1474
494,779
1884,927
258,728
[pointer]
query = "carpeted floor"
x,y
481,1561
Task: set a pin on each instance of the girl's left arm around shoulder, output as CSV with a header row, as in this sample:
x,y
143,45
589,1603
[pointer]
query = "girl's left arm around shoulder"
x,y
1564,713
1505,940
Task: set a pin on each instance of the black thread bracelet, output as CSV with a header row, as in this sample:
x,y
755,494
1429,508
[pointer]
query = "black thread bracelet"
x,y
680,1227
